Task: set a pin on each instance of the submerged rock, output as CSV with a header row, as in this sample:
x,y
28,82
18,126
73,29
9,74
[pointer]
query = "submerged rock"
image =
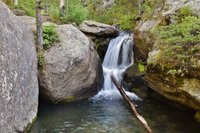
x,y
18,74
72,69
173,70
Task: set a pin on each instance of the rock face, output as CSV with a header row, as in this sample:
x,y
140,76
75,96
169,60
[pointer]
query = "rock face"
x,y
143,39
30,21
18,74
171,76
72,68
99,33
98,29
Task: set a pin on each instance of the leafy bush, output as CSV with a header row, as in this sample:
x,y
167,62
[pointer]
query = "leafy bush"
x,y
187,31
122,14
28,6
50,36
76,12
179,42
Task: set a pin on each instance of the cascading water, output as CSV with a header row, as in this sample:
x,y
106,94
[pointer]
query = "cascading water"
x,y
118,58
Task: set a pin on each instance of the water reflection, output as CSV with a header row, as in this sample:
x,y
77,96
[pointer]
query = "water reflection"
x,y
112,116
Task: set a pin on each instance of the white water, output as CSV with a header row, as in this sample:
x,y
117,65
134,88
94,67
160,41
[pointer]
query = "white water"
x,y
118,58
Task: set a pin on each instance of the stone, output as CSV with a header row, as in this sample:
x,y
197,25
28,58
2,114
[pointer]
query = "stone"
x,y
72,69
172,78
98,29
99,33
18,74
30,21
143,39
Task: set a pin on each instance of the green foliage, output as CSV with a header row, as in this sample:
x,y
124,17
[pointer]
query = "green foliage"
x,y
141,67
148,8
50,36
28,6
74,12
122,14
126,22
183,13
77,12
187,31
179,42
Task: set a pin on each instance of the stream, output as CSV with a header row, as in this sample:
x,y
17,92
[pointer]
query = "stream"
x,y
106,112
112,116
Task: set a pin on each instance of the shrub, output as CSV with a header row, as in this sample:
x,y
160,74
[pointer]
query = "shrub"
x,y
50,36
179,42
187,31
76,12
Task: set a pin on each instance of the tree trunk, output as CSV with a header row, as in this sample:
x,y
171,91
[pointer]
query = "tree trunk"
x,y
15,3
131,105
140,11
62,8
140,7
39,39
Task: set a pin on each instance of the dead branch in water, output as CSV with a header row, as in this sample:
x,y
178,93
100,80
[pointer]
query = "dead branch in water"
x,y
131,104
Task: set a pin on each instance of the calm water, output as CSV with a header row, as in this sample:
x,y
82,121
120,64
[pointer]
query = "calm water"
x,y
112,116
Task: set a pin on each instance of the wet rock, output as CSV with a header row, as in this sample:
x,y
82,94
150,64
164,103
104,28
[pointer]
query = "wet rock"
x,y
72,69
18,74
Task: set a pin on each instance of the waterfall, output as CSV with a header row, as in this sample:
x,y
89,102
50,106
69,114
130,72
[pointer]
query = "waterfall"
x,y
118,58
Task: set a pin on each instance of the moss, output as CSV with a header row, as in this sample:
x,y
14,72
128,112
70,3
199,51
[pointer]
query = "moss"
x,y
29,126
141,67
70,99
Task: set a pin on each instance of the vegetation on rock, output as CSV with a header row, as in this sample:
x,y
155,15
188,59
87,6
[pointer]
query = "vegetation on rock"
x,y
50,36
179,42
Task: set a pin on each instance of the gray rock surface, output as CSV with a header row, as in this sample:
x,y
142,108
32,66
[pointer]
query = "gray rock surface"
x,y
72,68
98,29
18,74
30,21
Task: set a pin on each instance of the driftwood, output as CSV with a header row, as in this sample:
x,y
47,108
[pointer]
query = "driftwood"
x,y
131,104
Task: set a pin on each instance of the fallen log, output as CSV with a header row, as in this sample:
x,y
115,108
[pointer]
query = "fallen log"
x,y
131,104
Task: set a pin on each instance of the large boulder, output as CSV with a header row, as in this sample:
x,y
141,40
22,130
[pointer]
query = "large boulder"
x,y
143,39
98,29
173,68
30,21
72,69
99,33
18,74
